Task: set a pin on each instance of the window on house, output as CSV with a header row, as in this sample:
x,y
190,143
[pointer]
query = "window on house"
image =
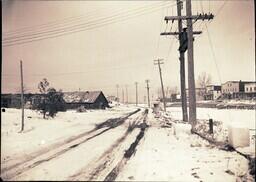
x,y
254,88
246,88
250,88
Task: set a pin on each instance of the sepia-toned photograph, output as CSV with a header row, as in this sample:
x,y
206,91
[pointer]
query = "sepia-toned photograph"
x,y
117,90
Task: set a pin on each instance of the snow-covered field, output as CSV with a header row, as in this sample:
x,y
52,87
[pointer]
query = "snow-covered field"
x,y
240,117
41,132
228,118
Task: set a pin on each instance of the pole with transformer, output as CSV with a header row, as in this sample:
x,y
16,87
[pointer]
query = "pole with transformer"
x,y
186,43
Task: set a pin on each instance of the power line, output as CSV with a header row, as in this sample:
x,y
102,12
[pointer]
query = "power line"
x,y
221,8
50,24
213,53
161,25
65,32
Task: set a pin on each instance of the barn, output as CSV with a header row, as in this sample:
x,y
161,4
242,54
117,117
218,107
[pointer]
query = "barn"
x,y
88,99
10,100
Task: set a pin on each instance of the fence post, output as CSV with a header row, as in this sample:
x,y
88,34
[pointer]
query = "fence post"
x,y
210,126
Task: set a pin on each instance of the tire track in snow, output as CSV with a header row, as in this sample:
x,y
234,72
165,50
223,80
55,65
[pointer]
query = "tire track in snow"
x,y
60,148
128,153
96,169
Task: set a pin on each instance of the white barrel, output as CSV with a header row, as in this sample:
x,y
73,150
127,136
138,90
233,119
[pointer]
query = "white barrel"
x,y
238,136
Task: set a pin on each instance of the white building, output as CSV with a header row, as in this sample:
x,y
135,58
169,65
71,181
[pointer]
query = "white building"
x,y
249,87
213,92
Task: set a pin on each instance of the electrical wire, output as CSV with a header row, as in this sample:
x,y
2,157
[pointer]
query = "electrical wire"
x,y
50,24
213,53
65,28
158,40
79,30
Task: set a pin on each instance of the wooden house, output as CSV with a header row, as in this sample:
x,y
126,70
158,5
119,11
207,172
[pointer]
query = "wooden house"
x,y
88,99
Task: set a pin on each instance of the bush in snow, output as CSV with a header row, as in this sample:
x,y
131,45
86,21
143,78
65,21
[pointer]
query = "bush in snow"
x,y
51,101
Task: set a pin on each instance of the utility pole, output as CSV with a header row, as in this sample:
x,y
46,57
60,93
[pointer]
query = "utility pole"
x,y
123,95
22,97
182,69
191,78
136,85
126,89
147,81
159,62
186,41
117,86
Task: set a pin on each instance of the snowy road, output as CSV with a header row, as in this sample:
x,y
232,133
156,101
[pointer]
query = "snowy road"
x,y
103,143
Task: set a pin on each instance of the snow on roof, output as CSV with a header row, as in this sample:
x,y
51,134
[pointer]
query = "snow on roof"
x,y
81,97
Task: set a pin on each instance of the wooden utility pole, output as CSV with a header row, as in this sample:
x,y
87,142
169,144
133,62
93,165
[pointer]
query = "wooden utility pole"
x,y
123,95
159,62
147,81
126,90
191,76
22,97
186,41
136,86
182,69
117,86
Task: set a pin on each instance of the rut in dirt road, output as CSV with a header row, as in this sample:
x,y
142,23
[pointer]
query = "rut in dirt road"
x,y
96,169
24,165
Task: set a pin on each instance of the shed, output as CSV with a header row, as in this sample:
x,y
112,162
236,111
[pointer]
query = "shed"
x,y
88,99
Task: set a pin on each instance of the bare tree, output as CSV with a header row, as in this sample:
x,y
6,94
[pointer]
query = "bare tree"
x,y
43,86
203,80
51,100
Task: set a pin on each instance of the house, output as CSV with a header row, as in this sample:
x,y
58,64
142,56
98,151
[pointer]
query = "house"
x,y
14,100
235,89
213,92
10,100
88,99
250,90
250,87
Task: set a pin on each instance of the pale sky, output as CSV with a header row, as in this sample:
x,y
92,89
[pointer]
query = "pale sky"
x,y
100,56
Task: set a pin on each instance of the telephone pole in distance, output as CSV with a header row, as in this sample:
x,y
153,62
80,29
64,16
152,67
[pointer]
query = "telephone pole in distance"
x,y
159,62
136,86
147,81
22,97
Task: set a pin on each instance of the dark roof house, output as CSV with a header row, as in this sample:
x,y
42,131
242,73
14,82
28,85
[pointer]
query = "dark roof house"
x,y
88,99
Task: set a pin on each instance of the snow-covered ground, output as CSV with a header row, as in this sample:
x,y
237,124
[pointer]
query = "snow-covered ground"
x,y
40,132
163,153
228,118
163,156
240,117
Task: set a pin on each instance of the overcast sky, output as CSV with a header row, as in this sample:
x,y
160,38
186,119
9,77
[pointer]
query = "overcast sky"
x,y
116,42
